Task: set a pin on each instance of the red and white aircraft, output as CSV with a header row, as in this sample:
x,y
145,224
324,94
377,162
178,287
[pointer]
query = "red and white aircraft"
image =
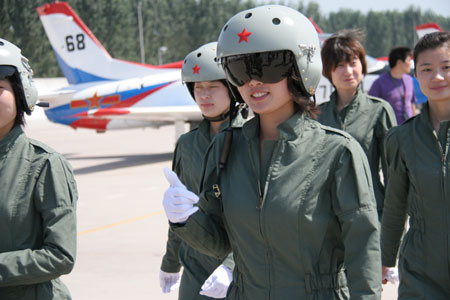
x,y
106,93
430,27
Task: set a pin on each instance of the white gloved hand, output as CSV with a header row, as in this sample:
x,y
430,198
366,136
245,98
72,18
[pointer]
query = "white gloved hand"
x,y
216,285
392,275
168,281
178,202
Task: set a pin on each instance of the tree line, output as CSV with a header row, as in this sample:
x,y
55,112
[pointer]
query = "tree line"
x,y
183,25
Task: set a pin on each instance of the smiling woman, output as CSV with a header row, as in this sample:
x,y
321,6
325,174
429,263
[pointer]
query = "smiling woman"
x,y
418,155
364,117
433,74
294,202
8,111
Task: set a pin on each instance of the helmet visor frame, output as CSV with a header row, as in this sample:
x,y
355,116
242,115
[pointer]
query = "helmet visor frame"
x,y
266,67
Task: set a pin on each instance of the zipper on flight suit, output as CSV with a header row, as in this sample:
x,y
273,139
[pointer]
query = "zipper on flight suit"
x,y
441,151
443,159
258,183
268,252
259,208
342,121
444,170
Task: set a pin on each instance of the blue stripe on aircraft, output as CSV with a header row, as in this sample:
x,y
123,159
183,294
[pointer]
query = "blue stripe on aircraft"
x,y
74,75
60,114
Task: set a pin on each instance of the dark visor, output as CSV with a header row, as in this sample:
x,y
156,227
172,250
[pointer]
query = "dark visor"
x,y
6,71
267,67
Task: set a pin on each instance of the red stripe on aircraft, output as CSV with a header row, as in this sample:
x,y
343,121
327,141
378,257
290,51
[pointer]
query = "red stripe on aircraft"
x,y
113,99
78,104
132,100
429,25
101,124
172,65
110,112
91,123
79,115
316,27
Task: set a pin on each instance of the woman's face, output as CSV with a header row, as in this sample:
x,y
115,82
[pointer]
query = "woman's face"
x,y
267,98
433,73
347,75
8,110
212,98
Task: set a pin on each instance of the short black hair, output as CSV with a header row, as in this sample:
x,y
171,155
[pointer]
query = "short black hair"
x,y
303,102
342,46
398,53
431,41
19,98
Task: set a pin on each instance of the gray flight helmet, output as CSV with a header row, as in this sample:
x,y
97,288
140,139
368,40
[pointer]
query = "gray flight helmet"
x,y
274,28
201,65
10,55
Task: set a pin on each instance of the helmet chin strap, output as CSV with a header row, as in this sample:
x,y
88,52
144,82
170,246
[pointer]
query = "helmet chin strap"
x,y
218,118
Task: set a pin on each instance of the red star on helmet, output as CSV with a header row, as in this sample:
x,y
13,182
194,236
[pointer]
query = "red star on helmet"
x,y
196,69
243,36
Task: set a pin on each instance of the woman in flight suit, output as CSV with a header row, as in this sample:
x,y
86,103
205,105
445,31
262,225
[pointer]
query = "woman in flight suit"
x,y
294,200
38,195
364,117
205,80
418,160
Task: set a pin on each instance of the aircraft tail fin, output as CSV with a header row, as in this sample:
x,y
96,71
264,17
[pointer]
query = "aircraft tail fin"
x,y
80,55
423,29
322,35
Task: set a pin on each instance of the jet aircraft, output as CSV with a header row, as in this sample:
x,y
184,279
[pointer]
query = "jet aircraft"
x,y
106,93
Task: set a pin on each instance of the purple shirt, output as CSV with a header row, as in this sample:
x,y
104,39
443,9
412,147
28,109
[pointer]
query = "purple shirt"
x,y
392,90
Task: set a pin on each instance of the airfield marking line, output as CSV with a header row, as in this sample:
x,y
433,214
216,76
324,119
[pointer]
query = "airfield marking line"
x,y
119,223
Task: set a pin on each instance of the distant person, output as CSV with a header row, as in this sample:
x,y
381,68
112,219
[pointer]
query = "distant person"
x,y
396,86
203,276
38,195
420,97
418,156
364,117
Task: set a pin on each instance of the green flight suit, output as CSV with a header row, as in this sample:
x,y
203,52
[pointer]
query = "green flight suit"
x,y
187,163
291,239
418,187
367,119
37,219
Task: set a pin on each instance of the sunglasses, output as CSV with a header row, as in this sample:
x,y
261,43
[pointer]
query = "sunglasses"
x,y
6,71
267,67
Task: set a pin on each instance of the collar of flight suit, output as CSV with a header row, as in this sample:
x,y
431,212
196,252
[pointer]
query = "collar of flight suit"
x,y
357,103
425,120
205,124
289,129
10,140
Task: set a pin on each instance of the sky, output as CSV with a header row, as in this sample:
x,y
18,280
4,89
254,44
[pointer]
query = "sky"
x,y
441,7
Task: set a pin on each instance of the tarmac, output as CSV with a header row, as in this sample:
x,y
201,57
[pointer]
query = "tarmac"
x,y
122,228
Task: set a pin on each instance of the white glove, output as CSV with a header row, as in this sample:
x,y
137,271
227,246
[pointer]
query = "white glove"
x,y
168,281
178,202
392,275
216,285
